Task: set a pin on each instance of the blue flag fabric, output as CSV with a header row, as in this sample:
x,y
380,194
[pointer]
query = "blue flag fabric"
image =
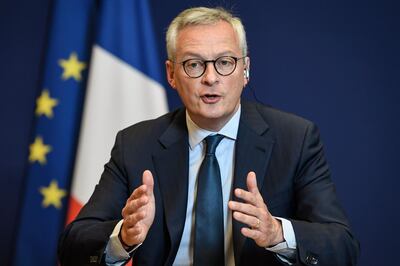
x,y
126,31
53,145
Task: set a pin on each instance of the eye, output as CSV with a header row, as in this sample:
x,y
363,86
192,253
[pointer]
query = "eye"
x,y
225,62
193,64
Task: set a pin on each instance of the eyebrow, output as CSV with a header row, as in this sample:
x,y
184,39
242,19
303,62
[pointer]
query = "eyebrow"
x,y
190,55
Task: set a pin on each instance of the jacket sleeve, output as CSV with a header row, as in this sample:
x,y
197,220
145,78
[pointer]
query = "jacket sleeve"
x,y
322,230
84,240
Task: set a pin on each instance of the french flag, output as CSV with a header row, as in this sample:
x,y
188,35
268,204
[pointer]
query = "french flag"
x,y
124,87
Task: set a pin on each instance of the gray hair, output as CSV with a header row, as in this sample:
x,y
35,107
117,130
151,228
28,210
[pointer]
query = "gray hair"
x,y
203,16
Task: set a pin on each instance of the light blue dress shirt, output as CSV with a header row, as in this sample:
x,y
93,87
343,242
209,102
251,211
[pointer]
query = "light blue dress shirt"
x,y
225,153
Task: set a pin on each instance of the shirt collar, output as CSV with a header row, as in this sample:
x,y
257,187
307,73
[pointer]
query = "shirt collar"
x,y
197,134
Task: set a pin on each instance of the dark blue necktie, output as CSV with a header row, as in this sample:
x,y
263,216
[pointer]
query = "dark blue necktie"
x,y
209,223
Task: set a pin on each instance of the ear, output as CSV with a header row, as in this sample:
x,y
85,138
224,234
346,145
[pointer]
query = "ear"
x,y
169,66
246,78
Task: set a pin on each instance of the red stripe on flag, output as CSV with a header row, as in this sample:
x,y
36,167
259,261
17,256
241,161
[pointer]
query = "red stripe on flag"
x,y
73,210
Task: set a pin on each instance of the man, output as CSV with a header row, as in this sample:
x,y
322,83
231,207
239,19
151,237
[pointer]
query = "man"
x,y
273,201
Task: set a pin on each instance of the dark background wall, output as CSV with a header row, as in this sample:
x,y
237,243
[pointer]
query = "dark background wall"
x,y
336,63
23,26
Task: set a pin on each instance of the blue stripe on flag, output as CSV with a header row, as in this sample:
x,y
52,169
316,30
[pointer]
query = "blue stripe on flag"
x,y
127,32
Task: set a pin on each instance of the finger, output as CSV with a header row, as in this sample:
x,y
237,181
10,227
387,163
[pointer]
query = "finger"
x,y
136,204
252,182
138,192
243,207
132,219
148,180
246,196
134,231
251,221
132,235
147,185
250,233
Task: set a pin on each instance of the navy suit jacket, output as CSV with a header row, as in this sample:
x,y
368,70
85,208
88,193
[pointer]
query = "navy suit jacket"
x,y
293,176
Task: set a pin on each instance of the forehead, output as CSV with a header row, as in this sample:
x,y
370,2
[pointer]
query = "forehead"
x,y
207,40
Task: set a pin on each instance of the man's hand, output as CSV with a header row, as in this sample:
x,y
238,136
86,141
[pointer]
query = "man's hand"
x,y
264,229
139,212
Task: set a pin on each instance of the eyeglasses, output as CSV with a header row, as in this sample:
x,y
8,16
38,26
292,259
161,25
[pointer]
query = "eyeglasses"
x,y
224,65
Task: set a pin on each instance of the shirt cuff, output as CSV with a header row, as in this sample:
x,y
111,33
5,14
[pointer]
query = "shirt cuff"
x,y
115,252
287,249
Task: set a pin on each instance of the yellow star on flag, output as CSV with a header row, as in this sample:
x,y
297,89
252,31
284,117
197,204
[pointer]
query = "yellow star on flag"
x,y
72,67
38,151
52,195
45,104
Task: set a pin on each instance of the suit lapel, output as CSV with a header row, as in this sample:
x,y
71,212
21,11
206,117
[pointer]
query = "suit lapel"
x,y
171,164
253,150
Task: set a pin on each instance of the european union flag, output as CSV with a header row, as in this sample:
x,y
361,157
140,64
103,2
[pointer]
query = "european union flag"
x,y
52,150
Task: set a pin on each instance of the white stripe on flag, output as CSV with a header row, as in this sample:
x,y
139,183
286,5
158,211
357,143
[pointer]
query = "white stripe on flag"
x,y
117,96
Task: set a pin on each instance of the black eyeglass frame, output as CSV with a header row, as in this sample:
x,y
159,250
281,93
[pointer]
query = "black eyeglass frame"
x,y
205,62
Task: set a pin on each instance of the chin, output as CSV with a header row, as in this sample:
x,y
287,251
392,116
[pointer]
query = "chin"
x,y
213,113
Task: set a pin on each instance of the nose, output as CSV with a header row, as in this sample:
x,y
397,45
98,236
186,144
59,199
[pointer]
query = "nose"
x,y
210,75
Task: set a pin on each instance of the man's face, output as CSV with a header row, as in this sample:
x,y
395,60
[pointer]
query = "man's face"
x,y
210,99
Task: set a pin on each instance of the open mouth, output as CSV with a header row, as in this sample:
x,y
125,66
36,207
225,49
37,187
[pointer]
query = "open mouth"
x,y
210,98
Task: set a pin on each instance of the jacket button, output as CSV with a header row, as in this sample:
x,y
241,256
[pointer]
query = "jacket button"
x,y
311,260
93,259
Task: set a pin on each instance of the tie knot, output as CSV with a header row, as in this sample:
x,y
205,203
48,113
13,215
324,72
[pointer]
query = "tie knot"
x,y
212,142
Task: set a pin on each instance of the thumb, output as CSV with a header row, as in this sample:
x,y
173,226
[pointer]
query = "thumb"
x,y
148,180
252,182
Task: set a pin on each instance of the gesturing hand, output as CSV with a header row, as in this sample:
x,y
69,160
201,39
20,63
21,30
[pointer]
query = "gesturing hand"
x,y
264,229
139,212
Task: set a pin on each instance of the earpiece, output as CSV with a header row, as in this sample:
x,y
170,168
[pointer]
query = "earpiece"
x,y
246,73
